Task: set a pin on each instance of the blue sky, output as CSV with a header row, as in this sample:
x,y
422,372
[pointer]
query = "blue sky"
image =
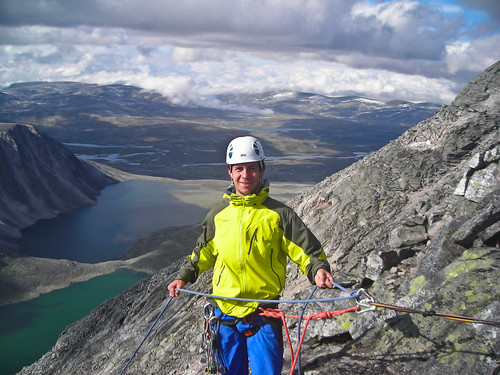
x,y
474,13
193,50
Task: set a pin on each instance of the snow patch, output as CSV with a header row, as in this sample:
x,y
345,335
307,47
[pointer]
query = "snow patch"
x,y
287,94
368,101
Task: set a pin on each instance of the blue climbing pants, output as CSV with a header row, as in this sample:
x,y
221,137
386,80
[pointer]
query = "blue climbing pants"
x,y
249,340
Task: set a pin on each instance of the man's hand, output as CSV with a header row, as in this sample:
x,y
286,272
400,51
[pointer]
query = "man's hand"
x,y
324,279
176,284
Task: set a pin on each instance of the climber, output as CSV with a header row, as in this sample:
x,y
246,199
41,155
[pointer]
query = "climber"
x,y
246,239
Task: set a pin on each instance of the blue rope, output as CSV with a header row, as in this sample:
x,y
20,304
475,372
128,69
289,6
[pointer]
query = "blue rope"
x,y
352,295
145,337
354,292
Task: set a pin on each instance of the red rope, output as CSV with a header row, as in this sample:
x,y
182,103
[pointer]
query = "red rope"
x,y
278,314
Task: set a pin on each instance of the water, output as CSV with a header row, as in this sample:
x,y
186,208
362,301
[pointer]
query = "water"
x,y
30,329
125,213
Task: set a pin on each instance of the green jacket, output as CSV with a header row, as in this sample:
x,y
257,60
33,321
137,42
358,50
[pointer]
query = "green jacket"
x,y
247,240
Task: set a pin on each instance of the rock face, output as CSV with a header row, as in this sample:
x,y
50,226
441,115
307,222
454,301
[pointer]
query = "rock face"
x,y
40,178
416,223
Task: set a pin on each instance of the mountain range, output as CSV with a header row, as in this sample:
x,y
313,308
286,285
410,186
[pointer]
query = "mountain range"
x,y
307,136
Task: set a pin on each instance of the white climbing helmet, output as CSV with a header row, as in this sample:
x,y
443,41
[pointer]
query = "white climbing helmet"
x,y
245,150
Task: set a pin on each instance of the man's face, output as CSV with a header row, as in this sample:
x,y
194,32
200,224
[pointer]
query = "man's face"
x,y
246,177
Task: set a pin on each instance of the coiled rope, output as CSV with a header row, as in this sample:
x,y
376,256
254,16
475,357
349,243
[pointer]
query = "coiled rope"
x,y
352,295
368,303
277,313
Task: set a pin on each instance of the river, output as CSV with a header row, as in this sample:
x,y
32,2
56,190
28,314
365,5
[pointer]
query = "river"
x,y
125,213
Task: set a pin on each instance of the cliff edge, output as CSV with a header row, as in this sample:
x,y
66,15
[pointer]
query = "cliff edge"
x,y
40,178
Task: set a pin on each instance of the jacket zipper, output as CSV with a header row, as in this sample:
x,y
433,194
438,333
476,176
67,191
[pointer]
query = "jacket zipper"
x,y
252,241
242,265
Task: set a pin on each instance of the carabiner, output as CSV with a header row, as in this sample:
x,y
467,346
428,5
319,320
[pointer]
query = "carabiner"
x,y
366,303
208,311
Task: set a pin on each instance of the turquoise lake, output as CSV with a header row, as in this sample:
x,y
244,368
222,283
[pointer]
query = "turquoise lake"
x,y
125,213
30,329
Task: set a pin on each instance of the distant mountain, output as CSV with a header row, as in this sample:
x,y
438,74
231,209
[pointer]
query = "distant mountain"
x,y
348,107
415,223
40,178
306,136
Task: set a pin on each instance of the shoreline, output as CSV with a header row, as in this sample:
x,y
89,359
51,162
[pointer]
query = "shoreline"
x,y
23,278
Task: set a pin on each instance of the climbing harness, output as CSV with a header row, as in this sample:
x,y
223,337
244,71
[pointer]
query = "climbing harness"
x,y
364,303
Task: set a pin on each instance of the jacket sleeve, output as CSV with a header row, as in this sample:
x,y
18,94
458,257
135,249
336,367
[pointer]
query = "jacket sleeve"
x,y
203,256
302,246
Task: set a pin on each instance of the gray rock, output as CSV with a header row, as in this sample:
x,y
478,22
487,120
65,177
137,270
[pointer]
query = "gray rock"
x,y
407,236
482,176
40,178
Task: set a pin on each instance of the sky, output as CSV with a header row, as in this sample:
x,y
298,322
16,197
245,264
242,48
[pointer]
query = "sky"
x,y
194,50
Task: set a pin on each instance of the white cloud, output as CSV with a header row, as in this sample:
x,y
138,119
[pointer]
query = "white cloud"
x,y
192,79
186,54
471,55
193,50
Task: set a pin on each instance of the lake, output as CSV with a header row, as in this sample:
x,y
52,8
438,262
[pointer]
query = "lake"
x,y
125,212
30,329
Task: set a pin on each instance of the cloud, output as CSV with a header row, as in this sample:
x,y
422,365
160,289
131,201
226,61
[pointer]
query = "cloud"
x,y
466,56
400,30
80,35
193,50
491,7
384,28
